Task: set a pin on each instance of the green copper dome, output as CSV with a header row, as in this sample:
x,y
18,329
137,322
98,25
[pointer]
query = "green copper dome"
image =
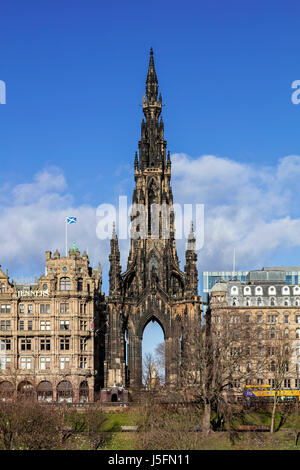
x,y
74,247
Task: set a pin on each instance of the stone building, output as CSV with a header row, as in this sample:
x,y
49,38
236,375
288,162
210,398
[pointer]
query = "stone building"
x,y
48,345
270,310
152,287
61,339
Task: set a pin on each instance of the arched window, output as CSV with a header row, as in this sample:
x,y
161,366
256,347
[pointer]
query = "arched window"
x,y
296,290
65,283
286,333
272,290
297,333
234,290
84,392
247,290
297,302
285,290
235,302
248,302
2,288
259,301
45,287
65,392
45,391
258,290
286,302
272,302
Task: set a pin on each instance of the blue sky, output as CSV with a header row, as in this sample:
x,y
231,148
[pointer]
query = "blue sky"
x,y
75,74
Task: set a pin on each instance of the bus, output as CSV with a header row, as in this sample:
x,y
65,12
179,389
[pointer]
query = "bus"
x,y
267,392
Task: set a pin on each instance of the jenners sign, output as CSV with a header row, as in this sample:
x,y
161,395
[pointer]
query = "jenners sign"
x,y
33,293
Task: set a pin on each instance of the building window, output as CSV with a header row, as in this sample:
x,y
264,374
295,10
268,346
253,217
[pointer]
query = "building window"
x,y
271,383
272,319
64,308
286,333
83,345
44,308
65,269
259,367
297,383
83,362
80,285
45,344
82,308
286,318
26,363
272,302
29,325
64,344
259,333
65,283
21,324
272,333
287,383
5,345
5,363
297,318
45,287
2,288
297,333
45,363
45,325
83,325
5,325
64,324
22,308
259,318
64,362
29,308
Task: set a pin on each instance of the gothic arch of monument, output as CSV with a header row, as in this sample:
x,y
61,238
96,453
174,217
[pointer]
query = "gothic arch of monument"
x,y
153,285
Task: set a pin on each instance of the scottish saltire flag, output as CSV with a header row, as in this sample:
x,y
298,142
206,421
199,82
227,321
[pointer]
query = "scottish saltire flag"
x,y
71,220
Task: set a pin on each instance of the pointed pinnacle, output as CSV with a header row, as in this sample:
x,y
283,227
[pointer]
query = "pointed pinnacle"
x,y
114,235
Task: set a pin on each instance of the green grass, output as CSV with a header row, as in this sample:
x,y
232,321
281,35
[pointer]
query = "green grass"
x,y
117,440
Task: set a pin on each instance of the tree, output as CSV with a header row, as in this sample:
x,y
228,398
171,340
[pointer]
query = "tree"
x,y
218,359
25,424
280,366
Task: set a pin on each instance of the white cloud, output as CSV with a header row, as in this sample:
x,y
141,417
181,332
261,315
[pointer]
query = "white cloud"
x,y
246,207
251,208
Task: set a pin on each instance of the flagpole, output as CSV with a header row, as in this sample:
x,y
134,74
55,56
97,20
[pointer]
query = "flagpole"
x,y
66,238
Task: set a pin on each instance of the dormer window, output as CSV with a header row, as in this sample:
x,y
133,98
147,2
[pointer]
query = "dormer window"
x,y
2,288
65,269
